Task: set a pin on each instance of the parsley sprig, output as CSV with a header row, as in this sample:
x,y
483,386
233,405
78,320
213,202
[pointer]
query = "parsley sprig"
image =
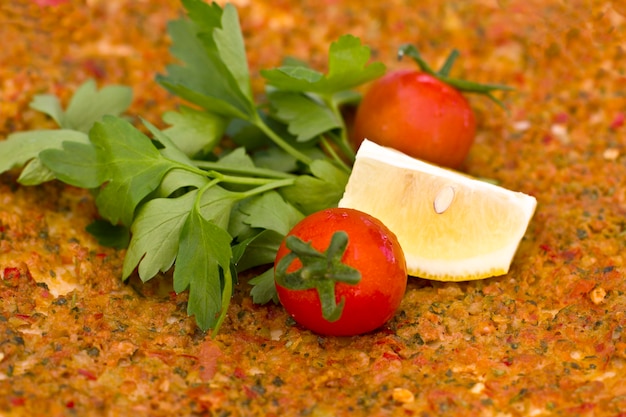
x,y
214,193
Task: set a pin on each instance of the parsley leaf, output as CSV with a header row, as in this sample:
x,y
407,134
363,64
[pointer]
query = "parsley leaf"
x,y
203,255
74,164
264,289
107,234
86,106
257,250
157,228
23,148
194,132
155,235
313,193
306,117
215,76
322,94
347,68
67,150
133,168
269,211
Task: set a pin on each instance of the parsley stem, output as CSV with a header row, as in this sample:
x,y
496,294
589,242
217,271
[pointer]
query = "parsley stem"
x,y
248,171
233,179
227,293
305,159
331,151
269,186
342,139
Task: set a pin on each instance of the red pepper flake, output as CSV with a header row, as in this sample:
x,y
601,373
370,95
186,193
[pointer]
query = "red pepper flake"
x,y
11,274
101,255
560,118
48,3
239,373
583,408
95,68
618,121
69,404
582,287
185,355
391,356
18,401
164,355
250,393
571,254
87,374
207,360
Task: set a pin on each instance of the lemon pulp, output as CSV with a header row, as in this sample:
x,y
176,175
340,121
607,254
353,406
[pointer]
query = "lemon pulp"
x,y
451,227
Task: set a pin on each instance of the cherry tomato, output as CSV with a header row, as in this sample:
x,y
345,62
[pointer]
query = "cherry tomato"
x,y
340,272
419,115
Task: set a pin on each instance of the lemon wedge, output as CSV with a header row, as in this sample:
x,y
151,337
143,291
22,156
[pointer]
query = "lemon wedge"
x,y
452,227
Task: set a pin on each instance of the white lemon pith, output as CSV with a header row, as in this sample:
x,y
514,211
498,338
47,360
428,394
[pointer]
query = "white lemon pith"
x,y
451,227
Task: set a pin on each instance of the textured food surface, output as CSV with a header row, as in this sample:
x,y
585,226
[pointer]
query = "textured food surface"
x,y
548,338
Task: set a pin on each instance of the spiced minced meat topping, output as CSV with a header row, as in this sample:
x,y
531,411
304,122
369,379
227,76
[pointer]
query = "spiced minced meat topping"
x,y
545,339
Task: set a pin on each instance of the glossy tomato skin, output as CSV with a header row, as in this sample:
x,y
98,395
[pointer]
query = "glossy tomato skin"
x,y
372,249
419,115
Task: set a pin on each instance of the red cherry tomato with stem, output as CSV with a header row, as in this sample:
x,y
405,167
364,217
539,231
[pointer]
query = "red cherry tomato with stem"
x,y
340,272
422,113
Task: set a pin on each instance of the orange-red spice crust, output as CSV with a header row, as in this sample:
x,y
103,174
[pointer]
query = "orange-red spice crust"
x,y
546,339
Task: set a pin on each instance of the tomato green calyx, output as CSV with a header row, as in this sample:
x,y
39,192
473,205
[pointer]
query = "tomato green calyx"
x,y
444,71
320,270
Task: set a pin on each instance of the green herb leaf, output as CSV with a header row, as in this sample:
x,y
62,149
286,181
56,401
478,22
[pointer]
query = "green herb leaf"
x,y
49,104
35,172
306,117
313,193
157,227
215,75
20,148
347,68
88,105
237,158
155,235
258,250
270,212
264,289
276,159
217,204
203,254
169,150
194,132
114,236
76,164
132,165
177,180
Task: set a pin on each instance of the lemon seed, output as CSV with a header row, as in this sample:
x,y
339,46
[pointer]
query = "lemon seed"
x,y
443,199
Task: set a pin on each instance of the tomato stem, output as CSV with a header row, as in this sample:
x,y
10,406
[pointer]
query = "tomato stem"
x,y
320,271
443,74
